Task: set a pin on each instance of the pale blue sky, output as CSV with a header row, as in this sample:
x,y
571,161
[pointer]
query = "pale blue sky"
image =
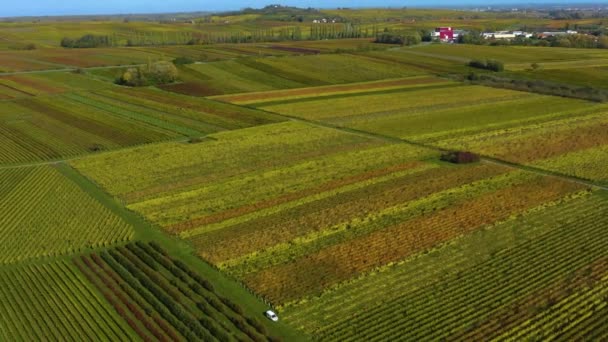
x,y
65,7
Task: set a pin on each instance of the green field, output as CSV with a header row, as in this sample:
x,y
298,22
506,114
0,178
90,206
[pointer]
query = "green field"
x,y
44,214
55,301
164,299
556,134
251,74
301,172
512,281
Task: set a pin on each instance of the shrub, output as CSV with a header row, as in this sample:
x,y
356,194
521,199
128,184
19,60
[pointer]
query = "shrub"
x,y
495,65
492,65
460,157
183,61
477,64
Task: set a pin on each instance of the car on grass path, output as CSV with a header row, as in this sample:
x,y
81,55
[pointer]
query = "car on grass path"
x,y
271,315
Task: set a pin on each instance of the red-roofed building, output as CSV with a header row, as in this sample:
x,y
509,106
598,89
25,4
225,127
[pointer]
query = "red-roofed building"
x,y
445,34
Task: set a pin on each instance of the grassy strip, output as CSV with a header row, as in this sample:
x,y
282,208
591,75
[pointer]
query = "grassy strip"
x,y
180,250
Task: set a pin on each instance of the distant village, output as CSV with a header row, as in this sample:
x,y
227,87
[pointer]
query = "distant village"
x,y
450,34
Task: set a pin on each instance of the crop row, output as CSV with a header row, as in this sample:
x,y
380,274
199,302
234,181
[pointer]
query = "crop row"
x,y
42,213
53,302
163,299
374,199
449,260
313,272
266,184
470,282
172,167
263,74
342,89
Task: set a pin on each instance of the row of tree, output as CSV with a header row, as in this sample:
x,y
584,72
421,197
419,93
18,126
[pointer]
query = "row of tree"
x,y
296,33
401,39
87,41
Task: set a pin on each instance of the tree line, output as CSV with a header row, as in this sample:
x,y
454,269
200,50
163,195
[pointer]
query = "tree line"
x,y
149,38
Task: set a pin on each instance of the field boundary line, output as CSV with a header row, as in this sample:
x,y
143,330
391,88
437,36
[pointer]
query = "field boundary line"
x,y
487,159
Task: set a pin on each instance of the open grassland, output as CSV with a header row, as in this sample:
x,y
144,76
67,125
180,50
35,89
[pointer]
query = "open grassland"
x,y
261,74
42,213
53,301
162,299
537,276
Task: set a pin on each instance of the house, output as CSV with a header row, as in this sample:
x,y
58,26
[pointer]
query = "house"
x,y
444,34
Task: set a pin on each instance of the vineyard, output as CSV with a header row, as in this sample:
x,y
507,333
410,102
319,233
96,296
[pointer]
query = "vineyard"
x,y
53,301
76,123
163,299
555,134
287,245
291,170
262,74
42,213
518,280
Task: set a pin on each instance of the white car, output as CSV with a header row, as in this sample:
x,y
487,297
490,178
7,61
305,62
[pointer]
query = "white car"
x,y
271,315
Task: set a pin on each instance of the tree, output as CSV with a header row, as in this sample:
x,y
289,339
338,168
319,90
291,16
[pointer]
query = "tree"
x,y
602,42
161,72
86,41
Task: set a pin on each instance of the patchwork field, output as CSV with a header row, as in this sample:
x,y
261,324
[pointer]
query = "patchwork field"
x,y
538,276
553,133
251,74
60,58
75,123
290,231
302,176
261,99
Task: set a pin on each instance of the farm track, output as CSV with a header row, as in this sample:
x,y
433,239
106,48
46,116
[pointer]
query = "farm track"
x,y
67,69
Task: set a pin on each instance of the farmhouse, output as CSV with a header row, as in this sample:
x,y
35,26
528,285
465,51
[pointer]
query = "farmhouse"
x,y
444,34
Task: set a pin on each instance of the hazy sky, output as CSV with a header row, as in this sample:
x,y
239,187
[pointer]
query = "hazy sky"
x,y
62,7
